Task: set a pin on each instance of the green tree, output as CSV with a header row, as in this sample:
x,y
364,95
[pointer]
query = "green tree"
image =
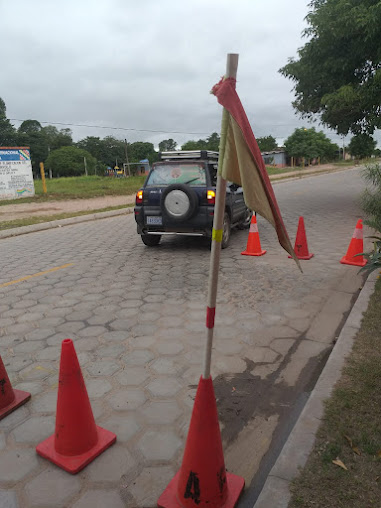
x,y
96,147
267,144
167,145
142,150
194,145
309,144
362,146
338,73
69,161
212,142
8,134
57,138
114,151
30,133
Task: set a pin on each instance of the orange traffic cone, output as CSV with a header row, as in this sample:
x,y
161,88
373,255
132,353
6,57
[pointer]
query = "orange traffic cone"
x,y
301,246
77,440
356,246
202,481
253,247
10,399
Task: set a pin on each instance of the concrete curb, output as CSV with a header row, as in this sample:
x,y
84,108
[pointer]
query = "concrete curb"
x,y
63,222
8,233
295,452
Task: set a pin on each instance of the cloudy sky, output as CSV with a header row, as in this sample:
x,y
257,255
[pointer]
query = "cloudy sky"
x,y
148,65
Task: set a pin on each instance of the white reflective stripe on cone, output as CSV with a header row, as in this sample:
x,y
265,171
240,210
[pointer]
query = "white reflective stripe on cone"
x,y
253,228
358,234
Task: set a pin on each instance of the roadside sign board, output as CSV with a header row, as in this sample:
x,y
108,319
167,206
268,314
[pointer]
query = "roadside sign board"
x,y
16,177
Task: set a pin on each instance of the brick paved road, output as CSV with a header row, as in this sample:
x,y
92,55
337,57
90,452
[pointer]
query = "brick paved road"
x,y
137,319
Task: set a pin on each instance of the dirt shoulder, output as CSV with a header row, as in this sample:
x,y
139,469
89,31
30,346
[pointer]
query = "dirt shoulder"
x,y
25,210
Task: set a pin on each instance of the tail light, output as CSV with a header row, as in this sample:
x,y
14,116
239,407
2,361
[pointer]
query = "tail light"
x,y
211,197
139,197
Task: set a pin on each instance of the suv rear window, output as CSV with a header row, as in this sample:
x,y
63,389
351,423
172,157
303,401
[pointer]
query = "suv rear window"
x,y
167,174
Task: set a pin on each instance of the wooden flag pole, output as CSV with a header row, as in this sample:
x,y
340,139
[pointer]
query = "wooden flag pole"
x,y
217,232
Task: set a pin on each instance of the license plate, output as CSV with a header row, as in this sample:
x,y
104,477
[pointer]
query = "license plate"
x,y
155,221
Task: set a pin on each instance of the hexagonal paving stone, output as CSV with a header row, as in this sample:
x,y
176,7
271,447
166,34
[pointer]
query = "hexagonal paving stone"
x,y
49,353
159,445
91,331
124,426
169,348
37,371
145,330
103,368
71,327
79,316
57,338
32,387
40,334
100,319
262,355
111,465
160,412
127,399
34,430
228,347
29,346
116,336
167,366
150,484
138,357
126,313
15,464
112,351
90,344
164,387
15,418
30,316
141,342
45,403
15,364
122,324
97,387
52,487
100,499
132,376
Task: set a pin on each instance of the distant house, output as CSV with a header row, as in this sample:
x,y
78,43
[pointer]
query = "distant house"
x,y
276,158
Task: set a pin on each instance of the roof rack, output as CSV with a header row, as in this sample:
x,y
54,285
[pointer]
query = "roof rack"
x,y
189,154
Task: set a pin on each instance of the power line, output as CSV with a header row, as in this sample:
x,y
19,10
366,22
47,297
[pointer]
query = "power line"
x,y
113,128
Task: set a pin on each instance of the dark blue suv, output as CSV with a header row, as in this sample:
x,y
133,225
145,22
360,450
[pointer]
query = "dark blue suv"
x,y
178,197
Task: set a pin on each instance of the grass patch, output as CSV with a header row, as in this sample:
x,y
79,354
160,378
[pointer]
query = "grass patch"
x,y
354,162
350,431
48,218
81,187
278,171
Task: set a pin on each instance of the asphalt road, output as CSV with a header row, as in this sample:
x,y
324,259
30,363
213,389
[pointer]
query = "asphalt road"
x,y
137,318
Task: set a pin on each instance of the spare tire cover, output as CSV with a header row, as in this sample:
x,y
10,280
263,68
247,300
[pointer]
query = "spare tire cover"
x,y
179,202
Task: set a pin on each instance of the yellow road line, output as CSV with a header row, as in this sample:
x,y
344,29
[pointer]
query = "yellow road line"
x,y
35,275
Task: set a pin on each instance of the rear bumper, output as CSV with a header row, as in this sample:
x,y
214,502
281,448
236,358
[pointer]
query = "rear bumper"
x,y
199,225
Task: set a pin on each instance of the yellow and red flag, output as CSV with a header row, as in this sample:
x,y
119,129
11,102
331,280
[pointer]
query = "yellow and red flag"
x,y
241,161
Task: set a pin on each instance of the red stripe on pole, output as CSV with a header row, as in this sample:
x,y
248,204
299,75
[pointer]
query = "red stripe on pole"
x,y
210,313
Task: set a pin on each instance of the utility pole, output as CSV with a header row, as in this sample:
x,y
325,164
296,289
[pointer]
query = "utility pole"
x,y
50,171
85,162
128,164
343,149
